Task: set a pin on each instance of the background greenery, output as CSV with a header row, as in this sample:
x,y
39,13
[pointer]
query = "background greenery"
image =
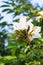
x,y
18,52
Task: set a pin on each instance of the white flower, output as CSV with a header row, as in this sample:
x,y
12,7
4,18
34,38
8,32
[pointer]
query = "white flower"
x,y
38,18
30,26
41,13
34,33
22,24
16,26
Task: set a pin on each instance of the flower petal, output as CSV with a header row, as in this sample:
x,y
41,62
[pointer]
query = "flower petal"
x,y
16,26
34,36
37,29
22,19
31,26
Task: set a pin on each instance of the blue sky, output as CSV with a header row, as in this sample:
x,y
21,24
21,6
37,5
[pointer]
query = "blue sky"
x,y
40,2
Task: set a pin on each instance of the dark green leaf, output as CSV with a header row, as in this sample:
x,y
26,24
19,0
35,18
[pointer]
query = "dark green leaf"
x,y
5,5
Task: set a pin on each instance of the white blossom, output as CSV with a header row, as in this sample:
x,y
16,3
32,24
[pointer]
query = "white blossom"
x,y
38,18
41,13
34,33
22,24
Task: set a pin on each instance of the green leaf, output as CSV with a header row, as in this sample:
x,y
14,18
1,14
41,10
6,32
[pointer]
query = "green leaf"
x,y
8,10
5,5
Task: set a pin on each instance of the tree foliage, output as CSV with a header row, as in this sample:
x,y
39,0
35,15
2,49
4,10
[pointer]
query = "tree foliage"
x,y
18,52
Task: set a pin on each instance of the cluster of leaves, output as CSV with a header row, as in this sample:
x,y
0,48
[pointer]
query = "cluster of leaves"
x,y
18,52
3,36
21,6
